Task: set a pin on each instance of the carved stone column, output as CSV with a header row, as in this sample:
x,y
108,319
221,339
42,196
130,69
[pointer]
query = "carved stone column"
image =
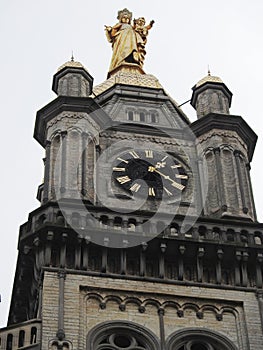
x,y
47,173
61,333
201,184
219,171
63,251
245,256
220,254
84,164
85,261
123,262
162,329
181,263
200,255
237,268
47,257
104,259
78,254
241,182
161,260
63,162
144,246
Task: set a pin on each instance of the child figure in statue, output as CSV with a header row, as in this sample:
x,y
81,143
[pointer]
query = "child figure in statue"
x,y
140,27
128,42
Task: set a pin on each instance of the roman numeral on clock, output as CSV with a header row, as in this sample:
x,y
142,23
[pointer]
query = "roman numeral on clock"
x,y
179,176
151,191
118,169
148,153
167,191
123,160
176,166
135,187
123,179
134,154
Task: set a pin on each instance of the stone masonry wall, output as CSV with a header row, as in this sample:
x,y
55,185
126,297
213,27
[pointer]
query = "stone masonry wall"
x,y
90,300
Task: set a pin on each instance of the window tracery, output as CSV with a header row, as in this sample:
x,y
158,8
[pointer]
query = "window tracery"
x,y
119,341
121,335
193,339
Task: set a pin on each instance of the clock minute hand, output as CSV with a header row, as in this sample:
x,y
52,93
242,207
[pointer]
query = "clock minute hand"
x,y
174,183
163,175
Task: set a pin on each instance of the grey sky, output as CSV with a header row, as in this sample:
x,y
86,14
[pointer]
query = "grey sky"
x,y
38,36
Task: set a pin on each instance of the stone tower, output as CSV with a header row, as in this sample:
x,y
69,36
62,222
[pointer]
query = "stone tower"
x,y
146,236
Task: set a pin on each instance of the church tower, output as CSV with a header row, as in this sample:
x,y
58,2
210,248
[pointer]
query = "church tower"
x,y
146,237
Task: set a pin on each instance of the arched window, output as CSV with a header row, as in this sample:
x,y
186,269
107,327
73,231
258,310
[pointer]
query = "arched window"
x,y
119,335
230,235
33,335
103,221
153,117
142,116
21,339
196,339
117,223
130,115
9,342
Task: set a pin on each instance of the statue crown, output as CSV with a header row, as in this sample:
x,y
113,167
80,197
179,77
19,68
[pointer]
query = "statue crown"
x,y
123,12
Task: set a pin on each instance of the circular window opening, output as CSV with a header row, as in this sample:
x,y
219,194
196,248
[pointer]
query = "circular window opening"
x,y
122,341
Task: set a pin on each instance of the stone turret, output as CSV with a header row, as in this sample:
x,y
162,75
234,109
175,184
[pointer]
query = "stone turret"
x,y
228,145
72,79
67,128
211,95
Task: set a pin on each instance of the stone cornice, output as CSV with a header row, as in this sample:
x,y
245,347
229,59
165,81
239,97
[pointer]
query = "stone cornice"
x,y
70,104
226,122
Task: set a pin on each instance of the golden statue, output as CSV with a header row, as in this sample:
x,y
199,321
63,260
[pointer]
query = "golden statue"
x,y
128,41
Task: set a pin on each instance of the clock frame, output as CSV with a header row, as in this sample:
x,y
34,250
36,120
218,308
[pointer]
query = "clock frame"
x,y
150,173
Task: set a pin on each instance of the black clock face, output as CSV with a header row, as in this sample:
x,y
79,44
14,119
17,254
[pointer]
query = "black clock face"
x,y
151,173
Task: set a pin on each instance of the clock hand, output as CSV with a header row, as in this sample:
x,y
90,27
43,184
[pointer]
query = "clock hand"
x,y
167,177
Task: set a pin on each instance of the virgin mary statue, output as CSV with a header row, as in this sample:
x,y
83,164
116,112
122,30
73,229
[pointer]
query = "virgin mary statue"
x,y
128,46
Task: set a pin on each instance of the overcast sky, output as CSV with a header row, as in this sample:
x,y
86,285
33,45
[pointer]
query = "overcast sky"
x,y
38,36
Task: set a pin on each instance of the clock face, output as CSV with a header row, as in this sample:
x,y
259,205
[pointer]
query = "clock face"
x,y
150,173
